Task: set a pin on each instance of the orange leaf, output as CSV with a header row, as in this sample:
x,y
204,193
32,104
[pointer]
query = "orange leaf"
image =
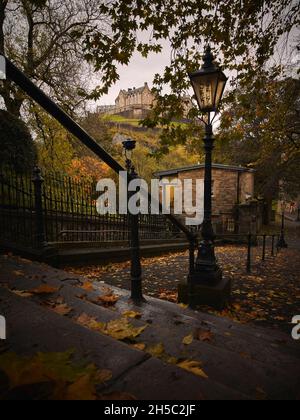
x,y
88,286
62,309
203,335
44,289
109,299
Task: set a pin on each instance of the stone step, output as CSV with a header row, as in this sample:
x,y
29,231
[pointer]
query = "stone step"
x,y
243,365
58,278
244,359
32,329
81,256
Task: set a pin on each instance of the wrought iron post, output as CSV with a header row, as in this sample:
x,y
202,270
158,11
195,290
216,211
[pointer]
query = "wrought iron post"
x,y
264,248
273,246
207,267
136,267
249,253
282,242
133,222
38,181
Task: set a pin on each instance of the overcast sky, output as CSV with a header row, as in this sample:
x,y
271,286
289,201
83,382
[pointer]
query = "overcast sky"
x,y
141,70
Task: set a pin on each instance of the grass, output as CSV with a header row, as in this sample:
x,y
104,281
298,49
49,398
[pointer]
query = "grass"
x,y
134,122
122,120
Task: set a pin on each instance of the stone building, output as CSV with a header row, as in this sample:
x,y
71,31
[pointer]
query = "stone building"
x,y
135,103
132,103
234,207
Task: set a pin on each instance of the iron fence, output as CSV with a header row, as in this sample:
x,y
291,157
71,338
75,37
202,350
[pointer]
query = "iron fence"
x,y
54,208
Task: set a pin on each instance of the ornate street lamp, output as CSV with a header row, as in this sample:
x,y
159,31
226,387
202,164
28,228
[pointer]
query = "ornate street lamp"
x,y
282,242
207,281
129,146
208,83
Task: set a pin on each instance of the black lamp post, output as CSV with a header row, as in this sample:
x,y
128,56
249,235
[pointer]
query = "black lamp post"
x,y
133,225
282,242
209,84
129,146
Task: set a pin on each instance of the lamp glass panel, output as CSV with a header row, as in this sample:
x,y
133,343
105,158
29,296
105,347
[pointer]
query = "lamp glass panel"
x,y
205,89
219,91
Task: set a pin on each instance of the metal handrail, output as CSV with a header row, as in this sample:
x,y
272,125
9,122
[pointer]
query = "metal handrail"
x,y
74,128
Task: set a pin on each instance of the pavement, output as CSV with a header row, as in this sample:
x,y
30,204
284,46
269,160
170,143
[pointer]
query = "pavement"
x,y
170,352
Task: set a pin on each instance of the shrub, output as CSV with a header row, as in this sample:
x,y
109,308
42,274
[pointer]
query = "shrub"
x,y
17,148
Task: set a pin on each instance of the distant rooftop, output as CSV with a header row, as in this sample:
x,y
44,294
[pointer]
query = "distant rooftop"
x,y
133,91
202,166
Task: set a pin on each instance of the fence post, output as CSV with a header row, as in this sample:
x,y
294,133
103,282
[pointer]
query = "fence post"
x,y
249,253
277,245
264,248
273,245
40,237
136,266
191,257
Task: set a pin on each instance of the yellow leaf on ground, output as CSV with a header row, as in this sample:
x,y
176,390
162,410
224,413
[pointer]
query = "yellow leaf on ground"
x,y
71,381
22,293
103,376
44,289
188,340
156,350
183,306
89,322
132,314
121,329
18,273
139,346
81,390
193,367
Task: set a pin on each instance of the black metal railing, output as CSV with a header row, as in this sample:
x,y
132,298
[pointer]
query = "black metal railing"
x,y
23,82
265,246
17,207
36,209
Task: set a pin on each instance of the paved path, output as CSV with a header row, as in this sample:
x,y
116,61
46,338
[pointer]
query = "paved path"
x,y
170,352
269,296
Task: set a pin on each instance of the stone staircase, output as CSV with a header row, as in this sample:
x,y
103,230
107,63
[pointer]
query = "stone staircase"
x,y
238,361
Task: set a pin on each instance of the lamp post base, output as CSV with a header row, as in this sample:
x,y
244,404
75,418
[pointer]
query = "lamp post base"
x,y
281,243
206,285
207,270
217,296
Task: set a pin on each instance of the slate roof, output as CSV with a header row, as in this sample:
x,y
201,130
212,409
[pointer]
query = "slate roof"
x,y
202,166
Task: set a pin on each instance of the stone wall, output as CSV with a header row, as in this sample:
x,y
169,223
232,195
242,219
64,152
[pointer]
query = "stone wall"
x,y
231,188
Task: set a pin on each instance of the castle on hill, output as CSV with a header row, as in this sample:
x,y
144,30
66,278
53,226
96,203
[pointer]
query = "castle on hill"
x,y
134,103
131,103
